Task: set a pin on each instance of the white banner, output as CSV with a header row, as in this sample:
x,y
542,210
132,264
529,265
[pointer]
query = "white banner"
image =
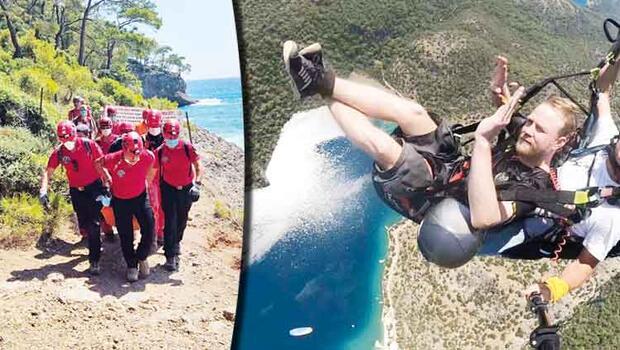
x,y
134,114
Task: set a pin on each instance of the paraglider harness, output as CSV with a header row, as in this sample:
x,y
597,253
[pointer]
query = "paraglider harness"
x,y
565,208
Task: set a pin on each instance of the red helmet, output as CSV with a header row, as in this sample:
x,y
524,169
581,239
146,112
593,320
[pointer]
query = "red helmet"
x,y
125,127
146,113
111,111
172,129
66,131
153,119
105,123
132,142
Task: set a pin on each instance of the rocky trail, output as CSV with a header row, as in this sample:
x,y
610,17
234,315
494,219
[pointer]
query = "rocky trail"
x,y
48,300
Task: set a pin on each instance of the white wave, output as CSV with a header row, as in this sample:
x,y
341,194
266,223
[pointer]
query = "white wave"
x,y
209,102
306,190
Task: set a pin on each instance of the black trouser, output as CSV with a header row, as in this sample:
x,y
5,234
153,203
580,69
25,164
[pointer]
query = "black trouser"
x,y
124,211
88,211
176,204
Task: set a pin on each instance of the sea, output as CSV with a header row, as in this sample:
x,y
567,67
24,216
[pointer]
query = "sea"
x,y
219,108
318,244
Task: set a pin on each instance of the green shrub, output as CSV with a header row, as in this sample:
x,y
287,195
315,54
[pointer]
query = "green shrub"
x,y
221,210
121,94
23,220
22,110
22,158
161,103
31,80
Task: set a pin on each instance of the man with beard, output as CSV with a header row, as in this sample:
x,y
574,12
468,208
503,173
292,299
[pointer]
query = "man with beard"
x,y
421,156
596,236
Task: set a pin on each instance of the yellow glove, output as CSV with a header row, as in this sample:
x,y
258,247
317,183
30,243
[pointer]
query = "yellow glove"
x,y
558,288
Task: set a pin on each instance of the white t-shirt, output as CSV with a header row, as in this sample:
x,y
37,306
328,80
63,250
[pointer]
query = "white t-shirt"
x,y
601,230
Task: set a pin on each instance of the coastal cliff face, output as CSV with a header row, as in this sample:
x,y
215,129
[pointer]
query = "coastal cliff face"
x,y
160,83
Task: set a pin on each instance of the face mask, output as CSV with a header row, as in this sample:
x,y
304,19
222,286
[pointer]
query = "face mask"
x,y
70,145
106,132
172,143
83,112
154,131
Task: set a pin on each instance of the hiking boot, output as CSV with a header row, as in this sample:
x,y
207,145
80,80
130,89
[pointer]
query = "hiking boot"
x,y
132,274
108,237
307,70
83,242
170,264
144,268
94,268
177,262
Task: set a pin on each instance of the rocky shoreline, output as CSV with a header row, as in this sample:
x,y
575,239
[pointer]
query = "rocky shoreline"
x,y
224,166
477,306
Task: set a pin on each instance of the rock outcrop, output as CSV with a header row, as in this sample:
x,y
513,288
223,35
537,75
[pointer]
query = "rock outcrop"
x,y
157,82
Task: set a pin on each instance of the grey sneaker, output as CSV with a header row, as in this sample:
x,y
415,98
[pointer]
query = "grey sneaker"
x,y
132,274
144,268
307,70
94,268
170,264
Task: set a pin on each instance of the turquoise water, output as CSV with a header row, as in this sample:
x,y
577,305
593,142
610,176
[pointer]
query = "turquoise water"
x,y
324,276
581,2
219,108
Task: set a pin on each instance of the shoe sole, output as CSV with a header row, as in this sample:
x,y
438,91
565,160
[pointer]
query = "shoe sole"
x,y
316,47
289,50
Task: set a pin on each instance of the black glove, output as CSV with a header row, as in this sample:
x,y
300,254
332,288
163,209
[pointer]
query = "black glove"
x,y
545,338
44,200
194,193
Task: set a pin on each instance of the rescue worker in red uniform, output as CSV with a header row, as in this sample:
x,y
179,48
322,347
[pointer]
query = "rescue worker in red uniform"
x,y
180,174
123,128
127,171
105,140
111,113
106,136
142,127
78,102
77,156
152,140
81,115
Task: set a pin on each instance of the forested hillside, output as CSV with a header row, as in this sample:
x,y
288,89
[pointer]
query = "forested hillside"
x,y
438,52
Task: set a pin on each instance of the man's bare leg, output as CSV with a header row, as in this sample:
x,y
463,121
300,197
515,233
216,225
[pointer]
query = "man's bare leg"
x,y
377,103
362,133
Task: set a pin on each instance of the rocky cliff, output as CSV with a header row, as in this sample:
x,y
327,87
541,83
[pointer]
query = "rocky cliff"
x,y
157,82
